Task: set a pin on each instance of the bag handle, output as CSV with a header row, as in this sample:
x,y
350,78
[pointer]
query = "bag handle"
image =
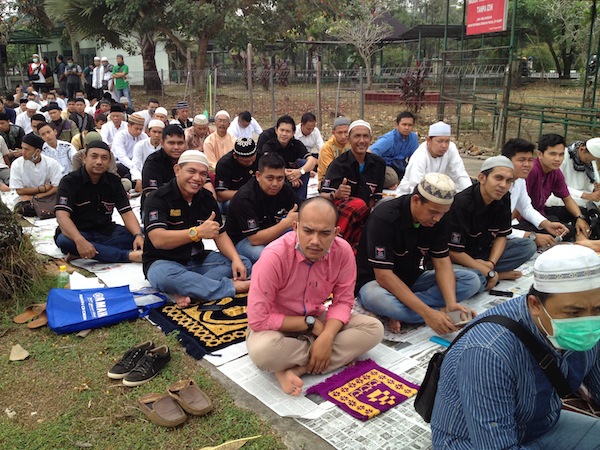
x,y
543,356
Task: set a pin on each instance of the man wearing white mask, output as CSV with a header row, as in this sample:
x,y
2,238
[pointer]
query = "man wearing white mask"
x,y
493,393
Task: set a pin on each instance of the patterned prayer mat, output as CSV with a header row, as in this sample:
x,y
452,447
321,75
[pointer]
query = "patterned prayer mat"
x,y
205,327
365,389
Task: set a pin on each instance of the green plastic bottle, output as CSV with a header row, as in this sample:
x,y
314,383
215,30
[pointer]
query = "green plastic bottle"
x,y
63,278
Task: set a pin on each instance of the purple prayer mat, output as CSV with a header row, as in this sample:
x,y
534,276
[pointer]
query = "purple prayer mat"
x,y
365,389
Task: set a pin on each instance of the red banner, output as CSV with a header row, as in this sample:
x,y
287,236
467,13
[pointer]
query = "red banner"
x,y
486,16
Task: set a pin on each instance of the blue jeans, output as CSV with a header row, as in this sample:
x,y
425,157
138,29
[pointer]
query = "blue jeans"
x,y
380,301
517,252
302,190
125,92
573,430
114,247
210,280
252,252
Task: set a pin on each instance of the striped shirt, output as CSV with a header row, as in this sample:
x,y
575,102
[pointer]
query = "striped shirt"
x,y
492,393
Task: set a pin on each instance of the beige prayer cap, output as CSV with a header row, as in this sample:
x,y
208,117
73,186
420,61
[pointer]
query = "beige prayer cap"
x,y
437,188
136,119
200,119
193,156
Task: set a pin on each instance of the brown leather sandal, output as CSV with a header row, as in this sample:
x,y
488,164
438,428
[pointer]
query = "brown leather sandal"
x,y
191,398
162,410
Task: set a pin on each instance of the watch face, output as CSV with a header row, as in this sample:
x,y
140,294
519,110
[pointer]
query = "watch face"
x,y
310,320
491,274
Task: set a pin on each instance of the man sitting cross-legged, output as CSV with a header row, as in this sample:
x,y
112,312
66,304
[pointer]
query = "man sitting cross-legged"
x,y
86,199
290,332
177,217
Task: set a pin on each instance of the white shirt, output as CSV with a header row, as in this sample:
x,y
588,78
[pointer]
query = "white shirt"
x,y
520,200
24,121
577,182
62,154
238,132
123,144
141,150
26,174
422,163
3,151
98,77
109,130
313,142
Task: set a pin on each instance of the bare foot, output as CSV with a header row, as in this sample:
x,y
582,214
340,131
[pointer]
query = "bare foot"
x,y
510,275
394,325
290,380
181,301
241,287
135,256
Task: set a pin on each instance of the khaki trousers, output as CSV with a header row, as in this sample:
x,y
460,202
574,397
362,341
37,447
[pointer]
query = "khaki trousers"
x,y
275,351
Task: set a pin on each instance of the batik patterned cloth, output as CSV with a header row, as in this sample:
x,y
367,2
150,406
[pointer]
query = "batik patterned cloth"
x,y
365,390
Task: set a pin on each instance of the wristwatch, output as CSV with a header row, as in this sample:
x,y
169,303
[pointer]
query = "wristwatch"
x,y
302,171
532,236
582,217
193,234
310,322
491,274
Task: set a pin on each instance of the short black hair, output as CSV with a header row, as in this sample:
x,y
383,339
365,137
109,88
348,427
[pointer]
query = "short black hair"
x,y
405,115
517,145
542,296
10,98
286,119
417,192
245,116
153,100
42,125
271,160
38,116
173,130
308,117
550,140
101,117
60,57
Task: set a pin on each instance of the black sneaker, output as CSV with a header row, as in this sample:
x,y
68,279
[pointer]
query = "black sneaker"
x,y
129,360
148,367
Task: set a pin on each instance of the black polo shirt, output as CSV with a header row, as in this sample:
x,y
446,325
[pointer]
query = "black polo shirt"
x,y
473,225
251,210
391,240
91,205
167,209
158,170
291,153
365,185
263,137
231,175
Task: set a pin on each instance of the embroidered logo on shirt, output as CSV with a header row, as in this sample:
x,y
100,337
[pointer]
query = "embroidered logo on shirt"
x,y
63,200
251,223
455,238
153,216
380,253
326,182
153,183
221,183
175,213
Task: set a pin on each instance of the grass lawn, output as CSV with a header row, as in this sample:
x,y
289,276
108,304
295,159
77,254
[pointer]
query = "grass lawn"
x,y
63,399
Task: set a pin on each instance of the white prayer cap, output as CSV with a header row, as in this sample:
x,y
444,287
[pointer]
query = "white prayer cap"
x,y
156,123
439,129
437,188
593,146
96,58
161,110
567,268
32,105
193,156
360,123
104,58
223,113
497,161
200,119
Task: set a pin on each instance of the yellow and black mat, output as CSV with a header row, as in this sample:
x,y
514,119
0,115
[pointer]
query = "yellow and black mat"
x,y
205,327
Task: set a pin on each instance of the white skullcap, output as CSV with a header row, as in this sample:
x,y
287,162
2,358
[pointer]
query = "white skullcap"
x,y
360,123
437,188
439,129
156,123
200,119
567,268
161,110
497,161
104,58
96,58
193,156
593,146
32,105
223,113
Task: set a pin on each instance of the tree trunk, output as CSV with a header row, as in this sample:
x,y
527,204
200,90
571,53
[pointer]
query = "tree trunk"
x,y
152,81
368,69
554,56
567,58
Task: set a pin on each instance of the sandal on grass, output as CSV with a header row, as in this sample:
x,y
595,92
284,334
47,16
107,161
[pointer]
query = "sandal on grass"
x,y
191,398
162,410
30,312
42,319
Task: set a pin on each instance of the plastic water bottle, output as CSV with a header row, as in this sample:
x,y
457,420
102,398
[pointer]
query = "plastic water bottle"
x,y
63,278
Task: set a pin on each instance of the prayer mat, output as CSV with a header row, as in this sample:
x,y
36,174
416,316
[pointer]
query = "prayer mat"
x,y
365,390
205,327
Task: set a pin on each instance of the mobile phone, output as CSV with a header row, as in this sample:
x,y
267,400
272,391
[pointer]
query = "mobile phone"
x,y
501,293
455,317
